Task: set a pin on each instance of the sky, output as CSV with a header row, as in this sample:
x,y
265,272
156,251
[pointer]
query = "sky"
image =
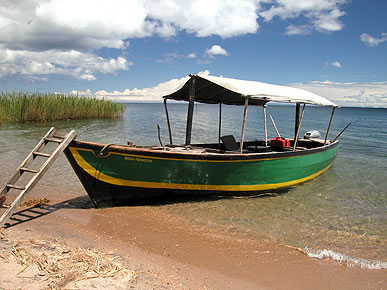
x,y
137,50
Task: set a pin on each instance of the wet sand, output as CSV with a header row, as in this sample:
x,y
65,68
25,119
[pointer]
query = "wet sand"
x,y
168,251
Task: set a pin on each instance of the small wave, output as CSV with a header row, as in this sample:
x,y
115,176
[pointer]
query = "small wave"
x,y
344,259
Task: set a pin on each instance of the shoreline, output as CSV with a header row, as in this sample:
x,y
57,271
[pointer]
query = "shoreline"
x,y
169,251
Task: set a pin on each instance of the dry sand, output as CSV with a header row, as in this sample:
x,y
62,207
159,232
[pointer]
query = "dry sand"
x,y
69,244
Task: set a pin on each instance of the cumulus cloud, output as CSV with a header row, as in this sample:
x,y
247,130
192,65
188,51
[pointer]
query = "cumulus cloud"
x,y
371,94
192,55
74,63
336,64
89,24
298,30
32,31
354,94
139,95
373,41
216,50
225,18
323,15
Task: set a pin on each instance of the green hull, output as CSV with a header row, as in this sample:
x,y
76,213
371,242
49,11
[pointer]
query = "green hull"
x,y
124,173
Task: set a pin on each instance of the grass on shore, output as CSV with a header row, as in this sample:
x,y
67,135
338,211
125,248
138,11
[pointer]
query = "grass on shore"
x,y
24,107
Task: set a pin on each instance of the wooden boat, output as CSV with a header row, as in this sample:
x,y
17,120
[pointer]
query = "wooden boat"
x,y
118,174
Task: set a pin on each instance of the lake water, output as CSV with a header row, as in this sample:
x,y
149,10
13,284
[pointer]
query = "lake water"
x,y
340,215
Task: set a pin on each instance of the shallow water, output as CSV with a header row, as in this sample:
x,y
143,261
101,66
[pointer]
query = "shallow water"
x,y
340,215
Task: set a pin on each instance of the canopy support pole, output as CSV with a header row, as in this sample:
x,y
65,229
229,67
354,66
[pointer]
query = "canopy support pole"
x,y
169,125
265,124
297,120
244,124
190,110
275,127
220,122
329,126
298,128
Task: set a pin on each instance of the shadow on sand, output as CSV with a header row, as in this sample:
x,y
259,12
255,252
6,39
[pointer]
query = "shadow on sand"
x,y
84,202
35,212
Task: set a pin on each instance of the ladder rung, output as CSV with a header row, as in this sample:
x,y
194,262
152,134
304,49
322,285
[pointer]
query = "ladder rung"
x,y
56,140
60,135
41,154
29,170
15,186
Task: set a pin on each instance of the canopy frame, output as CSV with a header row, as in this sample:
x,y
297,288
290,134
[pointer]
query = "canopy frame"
x,y
218,90
215,90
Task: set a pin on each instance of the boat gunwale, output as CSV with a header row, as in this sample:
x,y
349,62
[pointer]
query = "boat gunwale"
x,y
189,154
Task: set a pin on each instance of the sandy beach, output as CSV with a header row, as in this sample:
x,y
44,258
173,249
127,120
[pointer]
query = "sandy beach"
x,y
145,247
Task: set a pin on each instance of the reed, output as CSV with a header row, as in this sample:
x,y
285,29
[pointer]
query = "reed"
x,y
24,107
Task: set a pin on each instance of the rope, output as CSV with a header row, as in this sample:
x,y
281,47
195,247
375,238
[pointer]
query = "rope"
x,y
100,153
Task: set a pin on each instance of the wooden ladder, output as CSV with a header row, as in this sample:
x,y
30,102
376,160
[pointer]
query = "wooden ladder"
x,y
62,140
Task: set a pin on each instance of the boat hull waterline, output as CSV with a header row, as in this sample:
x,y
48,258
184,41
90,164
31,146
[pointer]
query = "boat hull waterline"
x,y
123,173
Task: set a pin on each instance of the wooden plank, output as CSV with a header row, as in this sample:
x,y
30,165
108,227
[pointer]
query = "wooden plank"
x,y
29,170
16,186
58,135
41,154
55,140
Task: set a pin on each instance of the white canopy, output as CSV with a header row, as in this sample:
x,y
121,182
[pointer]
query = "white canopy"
x,y
210,89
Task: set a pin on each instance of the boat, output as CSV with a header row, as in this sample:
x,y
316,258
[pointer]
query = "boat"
x,y
116,175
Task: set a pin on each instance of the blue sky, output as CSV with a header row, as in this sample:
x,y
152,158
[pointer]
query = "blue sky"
x,y
335,48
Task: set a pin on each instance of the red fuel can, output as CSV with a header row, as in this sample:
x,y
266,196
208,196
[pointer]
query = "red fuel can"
x,y
279,143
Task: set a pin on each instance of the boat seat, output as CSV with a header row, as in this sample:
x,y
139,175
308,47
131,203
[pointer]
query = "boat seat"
x,y
229,142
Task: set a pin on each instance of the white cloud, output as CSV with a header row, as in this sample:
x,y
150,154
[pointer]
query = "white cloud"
x,y
371,94
32,31
192,55
77,64
328,21
336,64
146,94
89,24
323,15
373,41
225,18
216,50
298,30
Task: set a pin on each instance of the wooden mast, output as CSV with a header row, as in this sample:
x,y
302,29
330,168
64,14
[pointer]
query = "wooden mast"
x,y
265,124
190,109
298,128
220,122
297,120
169,125
244,123
329,126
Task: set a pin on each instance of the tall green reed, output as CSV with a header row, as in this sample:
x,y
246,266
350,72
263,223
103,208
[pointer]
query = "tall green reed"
x,y
24,107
